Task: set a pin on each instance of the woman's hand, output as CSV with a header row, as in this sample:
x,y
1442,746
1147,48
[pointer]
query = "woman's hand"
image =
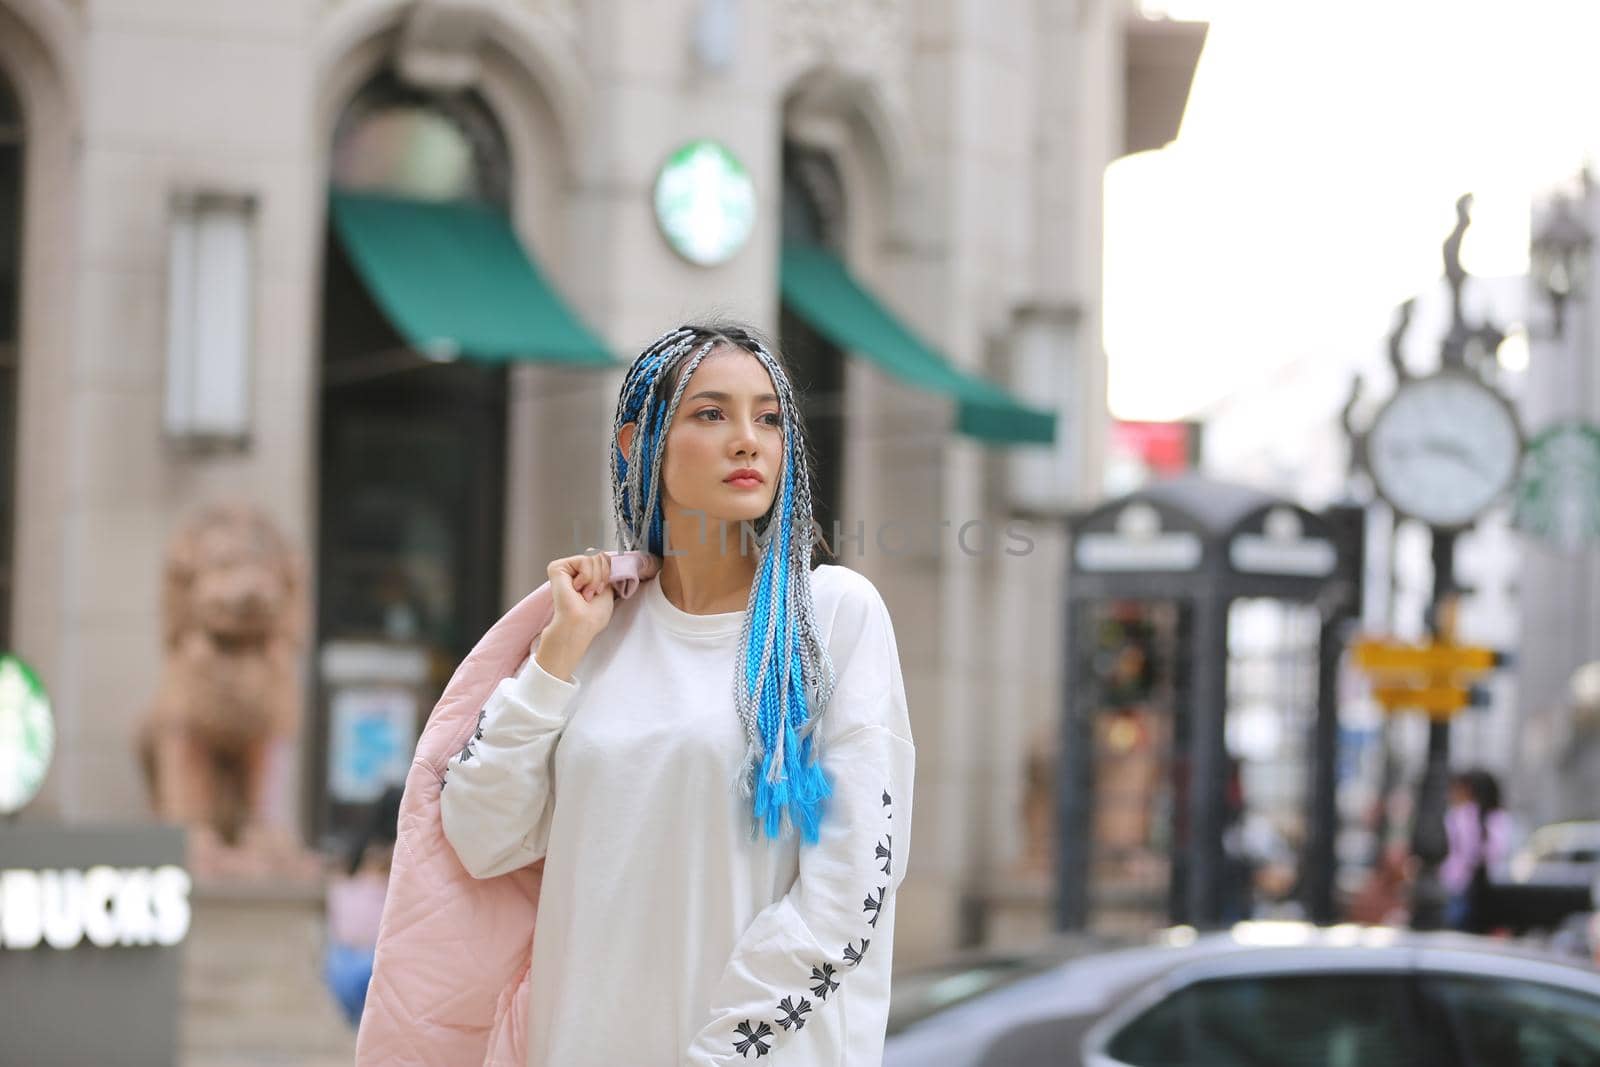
x,y
583,597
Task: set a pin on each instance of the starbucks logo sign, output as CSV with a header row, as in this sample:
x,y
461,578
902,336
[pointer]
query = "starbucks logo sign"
x,y
1558,488
705,203
27,734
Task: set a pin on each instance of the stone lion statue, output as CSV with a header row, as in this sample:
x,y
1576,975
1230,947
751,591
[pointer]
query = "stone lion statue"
x,y
229,695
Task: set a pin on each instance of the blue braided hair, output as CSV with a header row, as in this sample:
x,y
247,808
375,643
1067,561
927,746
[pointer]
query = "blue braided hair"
x,y
783,678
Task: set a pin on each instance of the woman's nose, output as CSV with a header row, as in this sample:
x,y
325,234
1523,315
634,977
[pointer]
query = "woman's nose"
x,y
745,438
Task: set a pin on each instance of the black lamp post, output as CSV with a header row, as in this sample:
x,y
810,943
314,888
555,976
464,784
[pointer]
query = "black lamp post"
x,y
1560,253
1484,428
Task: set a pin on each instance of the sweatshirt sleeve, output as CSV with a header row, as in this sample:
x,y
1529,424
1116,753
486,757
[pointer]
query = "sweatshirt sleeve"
x,y
823,951
497,795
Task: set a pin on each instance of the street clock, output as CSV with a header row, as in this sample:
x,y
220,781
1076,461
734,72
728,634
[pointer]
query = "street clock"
x,y
1444,448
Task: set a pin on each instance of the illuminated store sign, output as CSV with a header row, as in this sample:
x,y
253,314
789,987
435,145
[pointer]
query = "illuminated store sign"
x,y
27,734
705,203
107,906
94,922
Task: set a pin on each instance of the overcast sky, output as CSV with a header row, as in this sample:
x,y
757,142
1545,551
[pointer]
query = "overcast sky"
x,y
1315,177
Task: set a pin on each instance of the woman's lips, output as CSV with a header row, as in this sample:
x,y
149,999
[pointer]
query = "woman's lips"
x,y
743,483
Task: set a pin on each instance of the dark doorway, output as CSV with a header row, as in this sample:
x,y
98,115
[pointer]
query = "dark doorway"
x,y
413,465
812,214
412,460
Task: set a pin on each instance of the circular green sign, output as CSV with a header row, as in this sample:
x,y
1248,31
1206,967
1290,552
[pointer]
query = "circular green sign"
x,y
27,734
1558,488
705,203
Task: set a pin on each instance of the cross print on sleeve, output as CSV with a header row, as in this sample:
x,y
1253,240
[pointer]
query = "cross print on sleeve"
x,y
794,962
874,905
755,1038
477,735
824,980
793,1014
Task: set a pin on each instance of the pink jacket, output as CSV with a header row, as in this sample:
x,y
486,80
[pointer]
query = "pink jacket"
x,y
450,980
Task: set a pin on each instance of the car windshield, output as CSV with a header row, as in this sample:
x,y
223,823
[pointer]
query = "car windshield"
x,y
917,996
1327,1020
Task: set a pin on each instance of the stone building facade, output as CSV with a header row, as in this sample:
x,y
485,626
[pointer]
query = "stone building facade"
x,y
965,142
1557,756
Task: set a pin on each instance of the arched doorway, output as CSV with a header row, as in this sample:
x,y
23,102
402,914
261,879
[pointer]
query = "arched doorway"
x,y
11,146
813,214
412,455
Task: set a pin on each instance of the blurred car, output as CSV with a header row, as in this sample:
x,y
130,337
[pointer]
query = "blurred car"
x,y
929,991
1563,853
1265,994
1552,887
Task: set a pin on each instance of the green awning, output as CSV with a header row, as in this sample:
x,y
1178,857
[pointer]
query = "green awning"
x,y
453,279
822,291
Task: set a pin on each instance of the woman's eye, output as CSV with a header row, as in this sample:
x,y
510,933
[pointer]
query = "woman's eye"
x,y
771,418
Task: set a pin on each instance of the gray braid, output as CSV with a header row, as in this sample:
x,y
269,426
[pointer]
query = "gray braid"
x,y
637,499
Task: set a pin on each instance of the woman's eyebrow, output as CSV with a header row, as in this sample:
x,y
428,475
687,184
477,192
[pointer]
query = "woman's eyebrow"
x,y
724,397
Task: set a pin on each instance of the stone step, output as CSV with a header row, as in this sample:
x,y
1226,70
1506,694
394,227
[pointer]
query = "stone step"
x,y
253,993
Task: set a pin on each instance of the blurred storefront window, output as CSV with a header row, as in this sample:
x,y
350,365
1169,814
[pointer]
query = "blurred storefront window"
x,y
1140,732
1271,718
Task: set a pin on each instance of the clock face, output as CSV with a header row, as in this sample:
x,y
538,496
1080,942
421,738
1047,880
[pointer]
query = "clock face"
x,y
1443,449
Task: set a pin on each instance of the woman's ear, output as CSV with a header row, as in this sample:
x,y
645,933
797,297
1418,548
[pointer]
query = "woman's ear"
x,y
625,437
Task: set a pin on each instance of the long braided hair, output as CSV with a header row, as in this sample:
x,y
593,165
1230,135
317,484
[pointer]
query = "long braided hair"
x,y
783,676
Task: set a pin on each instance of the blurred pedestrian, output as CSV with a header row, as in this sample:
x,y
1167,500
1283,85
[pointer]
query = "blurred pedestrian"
x,y
1478,830
1384,896
355,907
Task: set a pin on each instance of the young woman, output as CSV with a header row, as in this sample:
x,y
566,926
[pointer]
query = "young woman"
x,y
1478,830
717,770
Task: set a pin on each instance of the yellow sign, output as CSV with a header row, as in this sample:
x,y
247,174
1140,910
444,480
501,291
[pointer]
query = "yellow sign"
x,y
1434,677
1391,657
1440,702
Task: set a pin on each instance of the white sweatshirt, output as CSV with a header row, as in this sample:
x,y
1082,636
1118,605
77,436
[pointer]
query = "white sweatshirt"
x,y
667,935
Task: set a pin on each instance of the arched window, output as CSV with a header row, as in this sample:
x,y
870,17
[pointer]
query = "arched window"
x,y
11,145
813,214
400,141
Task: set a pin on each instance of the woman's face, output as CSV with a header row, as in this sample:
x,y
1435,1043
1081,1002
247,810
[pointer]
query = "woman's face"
x,y
727,421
